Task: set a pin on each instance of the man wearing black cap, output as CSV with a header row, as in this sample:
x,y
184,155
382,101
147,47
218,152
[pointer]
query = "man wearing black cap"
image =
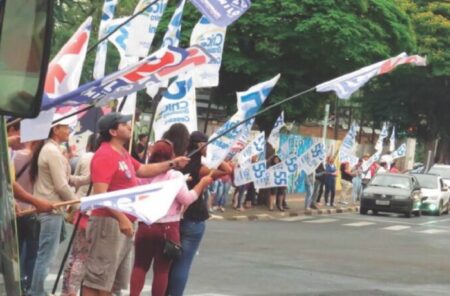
x,y
110,232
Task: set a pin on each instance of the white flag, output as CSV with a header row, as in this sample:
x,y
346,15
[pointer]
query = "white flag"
x,y
276,176
368,163
255,147
274,137
177,105
212,39
383,135
248,104
392,140
346,85
311,159
148,203
400,152
346,151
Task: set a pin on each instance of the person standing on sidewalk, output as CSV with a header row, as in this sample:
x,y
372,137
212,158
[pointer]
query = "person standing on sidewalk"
x,y
110,232
319,184
330,181
309,187
346,182
357,173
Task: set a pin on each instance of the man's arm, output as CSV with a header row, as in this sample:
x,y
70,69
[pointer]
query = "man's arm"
x,y
41,204
154,169
125,225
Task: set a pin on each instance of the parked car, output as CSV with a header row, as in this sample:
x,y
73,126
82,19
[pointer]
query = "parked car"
x,y
396,193
442,170
435,194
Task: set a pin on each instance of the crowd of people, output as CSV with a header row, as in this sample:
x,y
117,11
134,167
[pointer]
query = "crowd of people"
x,y
111,250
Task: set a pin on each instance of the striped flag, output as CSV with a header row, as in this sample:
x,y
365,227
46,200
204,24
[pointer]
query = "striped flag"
x,y
346,85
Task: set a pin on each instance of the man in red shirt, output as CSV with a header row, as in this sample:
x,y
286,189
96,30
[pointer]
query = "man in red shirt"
x,y
110,232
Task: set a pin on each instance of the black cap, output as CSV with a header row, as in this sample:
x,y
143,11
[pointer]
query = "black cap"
x,y
198,137
109,120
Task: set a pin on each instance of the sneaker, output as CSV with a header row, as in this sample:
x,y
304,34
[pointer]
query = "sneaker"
x,y
222,209
327,204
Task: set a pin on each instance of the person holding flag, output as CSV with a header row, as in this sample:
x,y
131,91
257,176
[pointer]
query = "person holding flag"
x,y
110,232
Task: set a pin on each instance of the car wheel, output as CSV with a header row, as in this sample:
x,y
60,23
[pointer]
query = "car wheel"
x,y
440,209
363,211
418,213
375,212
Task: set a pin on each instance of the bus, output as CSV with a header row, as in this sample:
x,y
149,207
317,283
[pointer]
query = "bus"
x,y
25,33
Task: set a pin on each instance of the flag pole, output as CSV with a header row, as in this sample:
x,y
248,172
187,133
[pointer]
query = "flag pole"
x,y
251,117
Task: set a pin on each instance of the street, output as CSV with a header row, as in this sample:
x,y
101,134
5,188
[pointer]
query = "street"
x,y
342,254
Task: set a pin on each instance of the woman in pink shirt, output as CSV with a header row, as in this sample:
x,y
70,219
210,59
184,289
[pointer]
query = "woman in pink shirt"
x,y
149,241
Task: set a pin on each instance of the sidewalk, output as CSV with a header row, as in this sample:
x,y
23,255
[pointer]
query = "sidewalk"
x,y
296,205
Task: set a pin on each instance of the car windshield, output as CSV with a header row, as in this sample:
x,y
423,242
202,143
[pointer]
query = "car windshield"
x,y
391,181
427,181
441,171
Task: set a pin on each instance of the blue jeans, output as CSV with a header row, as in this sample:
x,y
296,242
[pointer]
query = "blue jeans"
x,y
309,194
241,194
357,188
191,235
49,238
222,193
330,187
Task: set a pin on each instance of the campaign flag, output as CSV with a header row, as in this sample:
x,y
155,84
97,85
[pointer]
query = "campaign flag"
x,y
248,104
276,176
242,139
400,152
177,105
242,174
274,137
311,159
344,86
346,151
143,27
148,203
255,147
162,65
171,38
291,164
392,140
63,76
222,12
212,39
109,7
383,135
368,163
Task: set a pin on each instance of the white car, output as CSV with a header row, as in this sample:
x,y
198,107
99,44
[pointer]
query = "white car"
x,y
435,194
442,170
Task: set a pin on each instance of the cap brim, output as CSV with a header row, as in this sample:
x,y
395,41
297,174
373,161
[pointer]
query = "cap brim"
x,y
125,118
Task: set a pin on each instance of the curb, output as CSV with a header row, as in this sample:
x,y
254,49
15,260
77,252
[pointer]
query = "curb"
x,y
267,217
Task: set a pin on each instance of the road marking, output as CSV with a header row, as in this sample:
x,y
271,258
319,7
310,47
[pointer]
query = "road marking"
x,y
432,231
359,224
397,227
326,220
435,221
295,218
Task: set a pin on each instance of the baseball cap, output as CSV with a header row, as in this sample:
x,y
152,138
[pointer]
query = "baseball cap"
x,y
109,120
198,137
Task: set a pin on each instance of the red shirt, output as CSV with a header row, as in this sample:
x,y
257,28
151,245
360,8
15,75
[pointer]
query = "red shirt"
x,y
114,168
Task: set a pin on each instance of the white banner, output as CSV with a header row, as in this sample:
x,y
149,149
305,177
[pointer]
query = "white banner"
x,y
310,160
346,151
148,203
109,8
212,39
400,152
143,28
274,137
383,135
249,103
276,176
368,163
392,141
177,105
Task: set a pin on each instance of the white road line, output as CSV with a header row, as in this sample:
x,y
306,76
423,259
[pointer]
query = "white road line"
x,y
359,224
326,220
435,221
432,231
295,218
396,227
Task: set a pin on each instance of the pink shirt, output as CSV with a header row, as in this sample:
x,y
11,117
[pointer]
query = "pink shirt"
x,y
184,197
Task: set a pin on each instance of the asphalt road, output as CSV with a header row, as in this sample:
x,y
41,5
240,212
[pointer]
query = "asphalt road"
x,y
343,254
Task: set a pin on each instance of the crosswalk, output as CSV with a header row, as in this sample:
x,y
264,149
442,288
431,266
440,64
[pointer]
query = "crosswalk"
x,y
384,225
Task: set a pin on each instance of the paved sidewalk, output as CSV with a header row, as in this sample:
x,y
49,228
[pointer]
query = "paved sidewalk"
x,y
296,208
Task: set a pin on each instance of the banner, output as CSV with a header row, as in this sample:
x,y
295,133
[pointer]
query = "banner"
x,y
162,65
383,135
177,105
242,139
392,141
109,7
400,152
212,39
346,151
276,176
222,12
310,160
143,28
248,104
147,203
255,147
274,137
63,76
344,86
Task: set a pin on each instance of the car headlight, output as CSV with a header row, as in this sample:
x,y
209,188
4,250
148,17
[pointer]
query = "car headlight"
x,y
368,195
400,197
